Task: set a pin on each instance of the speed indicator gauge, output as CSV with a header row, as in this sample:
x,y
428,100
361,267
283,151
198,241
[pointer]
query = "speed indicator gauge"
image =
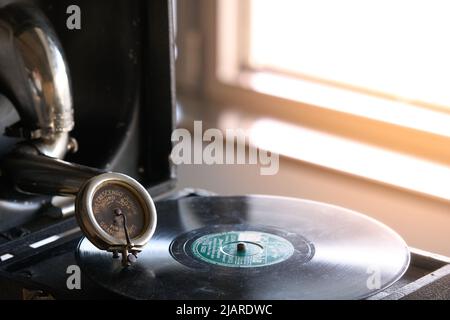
x,y
116,214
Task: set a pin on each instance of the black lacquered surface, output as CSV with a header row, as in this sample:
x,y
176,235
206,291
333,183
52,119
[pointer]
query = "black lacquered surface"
x,y
351,252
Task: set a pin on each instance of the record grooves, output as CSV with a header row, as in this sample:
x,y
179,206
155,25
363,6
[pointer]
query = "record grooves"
x,y
255,247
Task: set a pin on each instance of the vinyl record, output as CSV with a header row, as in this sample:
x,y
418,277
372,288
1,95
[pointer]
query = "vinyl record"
x,y
255,247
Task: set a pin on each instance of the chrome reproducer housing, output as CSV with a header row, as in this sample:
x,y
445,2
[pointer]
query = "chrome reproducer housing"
x,y
116,214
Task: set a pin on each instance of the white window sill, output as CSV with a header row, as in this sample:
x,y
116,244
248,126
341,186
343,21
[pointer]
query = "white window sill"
x,y
387,110
352,157
334,152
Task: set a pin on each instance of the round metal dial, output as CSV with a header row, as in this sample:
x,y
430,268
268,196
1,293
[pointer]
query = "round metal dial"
x,y
107,200
116,213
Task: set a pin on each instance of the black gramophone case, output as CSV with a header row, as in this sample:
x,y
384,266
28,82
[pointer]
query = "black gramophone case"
x,y
121,68
121,65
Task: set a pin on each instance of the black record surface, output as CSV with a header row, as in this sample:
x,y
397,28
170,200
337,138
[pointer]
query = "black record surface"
x,y
295,249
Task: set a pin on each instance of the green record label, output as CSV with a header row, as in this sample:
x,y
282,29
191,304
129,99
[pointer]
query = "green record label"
x,y
242,249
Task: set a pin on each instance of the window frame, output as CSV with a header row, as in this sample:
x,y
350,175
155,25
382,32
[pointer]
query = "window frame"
x,y
403,138
221,96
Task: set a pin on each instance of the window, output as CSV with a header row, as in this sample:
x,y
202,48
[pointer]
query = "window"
x,y
397,49
357,86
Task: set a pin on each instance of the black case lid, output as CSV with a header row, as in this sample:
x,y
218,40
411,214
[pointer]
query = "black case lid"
x,y
122,69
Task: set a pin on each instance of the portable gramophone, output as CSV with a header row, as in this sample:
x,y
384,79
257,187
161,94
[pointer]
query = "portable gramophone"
x,y
87,115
